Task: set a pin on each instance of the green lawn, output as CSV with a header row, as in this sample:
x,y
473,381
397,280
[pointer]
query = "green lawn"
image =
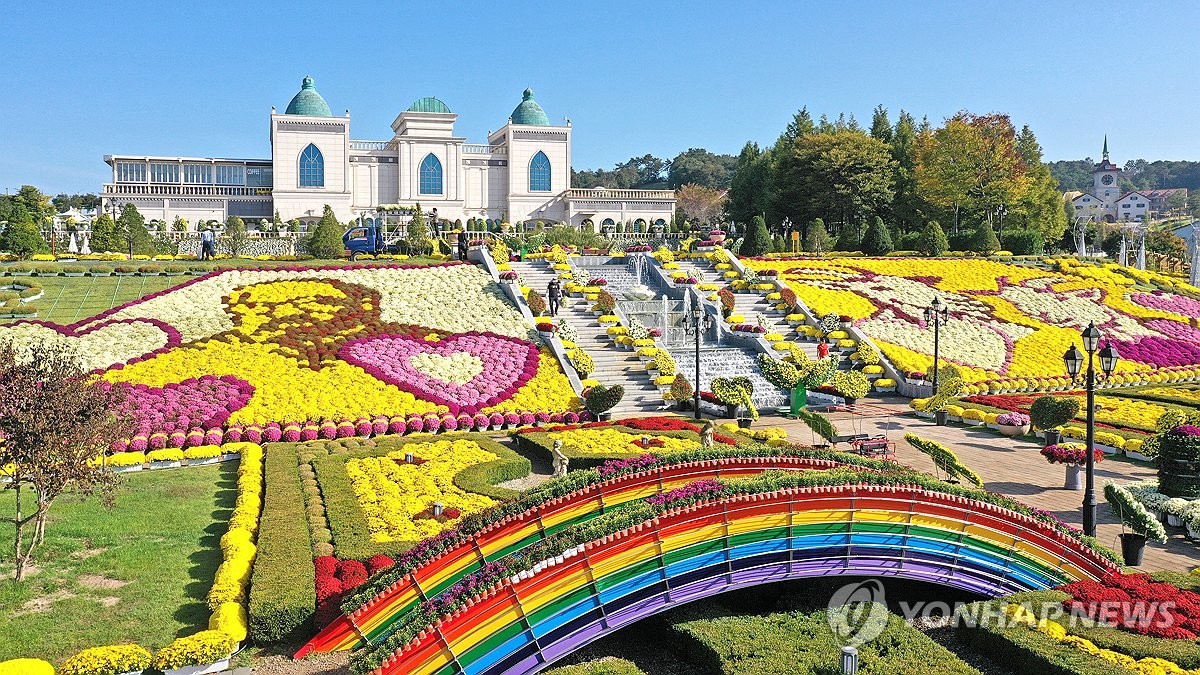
x,y
161,541
70,299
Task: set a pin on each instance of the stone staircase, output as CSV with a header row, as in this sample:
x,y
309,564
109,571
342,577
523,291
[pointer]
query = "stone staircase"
x,y
727,361
751,305
613,366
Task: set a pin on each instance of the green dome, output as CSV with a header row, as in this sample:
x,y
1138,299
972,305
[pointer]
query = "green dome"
x,y
529,112
308,102
429,104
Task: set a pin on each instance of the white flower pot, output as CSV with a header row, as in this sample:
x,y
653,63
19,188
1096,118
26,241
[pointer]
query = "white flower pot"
x,y
127,469
875,376
168,464
954,418
1174,521
217,667
230,456
924,414
973,423
1107,449
1012,429
204,460
1138,456
1192,534
885,390
993,425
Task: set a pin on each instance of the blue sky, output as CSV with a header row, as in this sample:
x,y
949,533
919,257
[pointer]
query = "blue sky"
x,y
82,79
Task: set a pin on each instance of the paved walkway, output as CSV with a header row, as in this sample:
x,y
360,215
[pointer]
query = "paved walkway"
x,y
1013,468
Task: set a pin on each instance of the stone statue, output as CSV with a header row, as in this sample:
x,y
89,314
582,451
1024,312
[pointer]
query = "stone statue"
x,y
706,434
560,461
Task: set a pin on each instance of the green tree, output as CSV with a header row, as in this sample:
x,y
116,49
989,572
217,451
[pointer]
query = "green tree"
x,y
105,237
235,236
326,240
850,237
417,237
881,128
748,189
23,239
932,240
984,240
697,166
758,240
131,227
907,205
817,239
844,175
277,222
180,225
877,240
1039,207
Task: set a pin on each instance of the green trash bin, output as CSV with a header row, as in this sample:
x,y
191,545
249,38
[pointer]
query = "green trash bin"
x,y
799,400
521,255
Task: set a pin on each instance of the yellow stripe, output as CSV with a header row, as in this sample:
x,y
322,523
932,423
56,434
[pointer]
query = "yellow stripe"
x,y
485,630
529,529
760,522
822,516
567,514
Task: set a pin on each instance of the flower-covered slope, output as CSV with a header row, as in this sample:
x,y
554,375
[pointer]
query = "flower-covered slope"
x,y
1005,320
252,347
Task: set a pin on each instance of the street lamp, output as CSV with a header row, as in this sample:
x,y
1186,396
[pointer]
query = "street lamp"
x,y
937,314
696,322
1108,363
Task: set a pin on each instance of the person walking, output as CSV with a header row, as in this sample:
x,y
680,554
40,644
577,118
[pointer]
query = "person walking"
x,y
823,348
462,245
208,242
553,295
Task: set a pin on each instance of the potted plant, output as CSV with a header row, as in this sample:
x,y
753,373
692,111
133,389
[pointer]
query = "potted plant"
x,y
125,271
1073,456
546,329
1049,413
99,271
509,278
205,652
21,270
600,399
174,270
851,385
681,392
1013,423
167,458
1135,517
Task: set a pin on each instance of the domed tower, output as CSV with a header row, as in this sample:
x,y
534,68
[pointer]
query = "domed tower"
x,y
539,163
310,157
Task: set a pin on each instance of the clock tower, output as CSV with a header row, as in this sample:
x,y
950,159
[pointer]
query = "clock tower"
x,y
1104,178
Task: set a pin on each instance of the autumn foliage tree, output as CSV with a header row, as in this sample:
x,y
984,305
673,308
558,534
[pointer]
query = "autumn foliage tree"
x,y
55,421
699,204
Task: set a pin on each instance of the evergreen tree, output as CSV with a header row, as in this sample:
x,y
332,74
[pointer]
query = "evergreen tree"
x,y
907,205
850,238
180,224
23,239
105,238
881,128
277,222
326,240
781,244
235,236
984,239
131,228
748,190
818,239
877,240
932,240
758,240
418,234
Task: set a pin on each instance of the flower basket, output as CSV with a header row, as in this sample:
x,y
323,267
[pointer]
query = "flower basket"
x,y
166,464
217,667
126,469
1012,429
204,460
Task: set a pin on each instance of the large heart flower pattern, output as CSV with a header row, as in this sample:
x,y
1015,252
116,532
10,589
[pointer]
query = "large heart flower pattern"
x,y
203,403
464,372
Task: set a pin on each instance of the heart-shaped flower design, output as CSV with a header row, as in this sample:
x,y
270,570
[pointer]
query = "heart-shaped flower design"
x,y
203,403
100,345
443,371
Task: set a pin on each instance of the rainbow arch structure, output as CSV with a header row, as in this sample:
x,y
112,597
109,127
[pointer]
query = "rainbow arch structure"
x,y
373,621
526,623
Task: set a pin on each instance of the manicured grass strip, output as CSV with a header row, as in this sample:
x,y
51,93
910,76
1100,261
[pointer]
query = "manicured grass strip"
x,y
605,666
784,643
283,586
139,572
71,299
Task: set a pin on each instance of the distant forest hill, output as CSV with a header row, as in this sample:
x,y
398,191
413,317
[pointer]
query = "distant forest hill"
x,y
1138,174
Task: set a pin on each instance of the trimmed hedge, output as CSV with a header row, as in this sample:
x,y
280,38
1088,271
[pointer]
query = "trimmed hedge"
x,y
1040,654
605,666
352,533
796,642
283,586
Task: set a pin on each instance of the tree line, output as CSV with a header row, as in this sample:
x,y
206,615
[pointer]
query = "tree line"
x,y
978,175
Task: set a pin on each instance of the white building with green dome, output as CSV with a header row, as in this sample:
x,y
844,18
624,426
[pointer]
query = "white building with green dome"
x,y
522,173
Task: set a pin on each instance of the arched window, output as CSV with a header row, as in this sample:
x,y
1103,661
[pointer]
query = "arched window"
x,y
431,175
539,173
312,167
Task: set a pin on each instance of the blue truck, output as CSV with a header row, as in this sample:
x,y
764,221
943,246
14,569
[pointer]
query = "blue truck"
x,y
372,239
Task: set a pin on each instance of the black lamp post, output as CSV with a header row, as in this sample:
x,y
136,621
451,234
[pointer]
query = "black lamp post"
x,y
1108,363
696,323
937,314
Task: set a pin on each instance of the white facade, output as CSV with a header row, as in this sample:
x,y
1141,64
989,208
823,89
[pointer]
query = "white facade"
x,y
523,173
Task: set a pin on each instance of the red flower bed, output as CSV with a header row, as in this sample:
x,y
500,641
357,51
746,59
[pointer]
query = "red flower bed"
x,y
1138,604
338,578
659,424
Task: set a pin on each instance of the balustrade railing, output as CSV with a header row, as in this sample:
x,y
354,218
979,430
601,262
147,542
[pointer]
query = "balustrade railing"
x,y
138,189
480,149
369,145
618,194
